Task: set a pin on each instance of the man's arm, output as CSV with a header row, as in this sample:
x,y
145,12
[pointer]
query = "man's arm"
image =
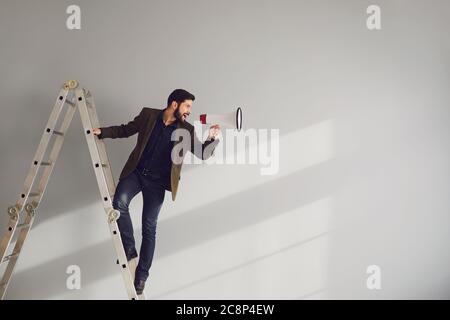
x,y
123,130
210,144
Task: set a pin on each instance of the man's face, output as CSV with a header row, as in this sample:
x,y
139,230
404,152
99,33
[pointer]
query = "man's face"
x,y
183,110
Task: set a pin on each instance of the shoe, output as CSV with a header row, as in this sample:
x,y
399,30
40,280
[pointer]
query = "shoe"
x,y
139,286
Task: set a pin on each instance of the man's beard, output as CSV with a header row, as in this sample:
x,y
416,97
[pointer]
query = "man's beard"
x,y
179,115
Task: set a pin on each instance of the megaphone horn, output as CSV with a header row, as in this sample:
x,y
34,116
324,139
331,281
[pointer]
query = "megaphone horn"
x,y
230,120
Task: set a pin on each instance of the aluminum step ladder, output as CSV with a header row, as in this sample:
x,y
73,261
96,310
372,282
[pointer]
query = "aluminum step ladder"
x,y
20,223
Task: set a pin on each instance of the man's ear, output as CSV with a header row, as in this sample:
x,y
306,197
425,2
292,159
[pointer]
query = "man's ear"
x,y
173,105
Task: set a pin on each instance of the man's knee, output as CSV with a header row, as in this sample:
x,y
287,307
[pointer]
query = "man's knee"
x,y
120,202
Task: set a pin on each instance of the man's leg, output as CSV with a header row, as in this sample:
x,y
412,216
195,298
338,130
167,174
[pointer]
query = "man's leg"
x,y
126,189
153,195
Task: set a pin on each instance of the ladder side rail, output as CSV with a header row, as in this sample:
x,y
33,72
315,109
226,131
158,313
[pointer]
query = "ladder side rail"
x,y
112,214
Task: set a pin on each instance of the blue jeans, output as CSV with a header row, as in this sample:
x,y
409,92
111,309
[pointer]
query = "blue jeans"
x,y
153,197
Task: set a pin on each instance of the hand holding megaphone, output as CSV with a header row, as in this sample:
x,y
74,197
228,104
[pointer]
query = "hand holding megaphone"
x,y
231,120
214,131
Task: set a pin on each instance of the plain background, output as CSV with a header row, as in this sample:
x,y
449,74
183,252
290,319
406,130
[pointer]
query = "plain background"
x,y
364,156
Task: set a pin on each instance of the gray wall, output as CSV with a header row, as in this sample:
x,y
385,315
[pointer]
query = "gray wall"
x,y
364,145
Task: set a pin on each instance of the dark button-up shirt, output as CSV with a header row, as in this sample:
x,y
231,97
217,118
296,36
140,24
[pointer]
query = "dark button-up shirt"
x,y
156,161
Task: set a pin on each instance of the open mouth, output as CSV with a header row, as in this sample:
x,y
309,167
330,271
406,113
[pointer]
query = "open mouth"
x,y
185,115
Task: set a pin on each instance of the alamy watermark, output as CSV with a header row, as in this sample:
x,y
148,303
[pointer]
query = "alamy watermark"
x,y
73,21
373,281
73,281
251,146
373,21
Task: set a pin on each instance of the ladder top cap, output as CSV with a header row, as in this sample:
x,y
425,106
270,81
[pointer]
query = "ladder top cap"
x,y
70,84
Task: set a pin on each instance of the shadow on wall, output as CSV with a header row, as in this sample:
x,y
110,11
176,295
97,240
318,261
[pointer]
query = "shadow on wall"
x,y
243,265
191,228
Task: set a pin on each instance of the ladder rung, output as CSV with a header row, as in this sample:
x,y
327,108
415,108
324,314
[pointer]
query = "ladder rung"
x,y
22,225
34,194
7,258
70,103
58,132
44,163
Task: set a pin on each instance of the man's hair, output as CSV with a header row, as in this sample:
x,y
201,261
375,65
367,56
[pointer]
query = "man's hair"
x,y
179,95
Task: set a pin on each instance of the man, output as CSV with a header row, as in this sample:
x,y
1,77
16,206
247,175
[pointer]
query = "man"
x,y
151,169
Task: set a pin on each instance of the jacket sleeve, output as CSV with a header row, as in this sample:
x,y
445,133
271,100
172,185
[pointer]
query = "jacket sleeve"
x,y
123,130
